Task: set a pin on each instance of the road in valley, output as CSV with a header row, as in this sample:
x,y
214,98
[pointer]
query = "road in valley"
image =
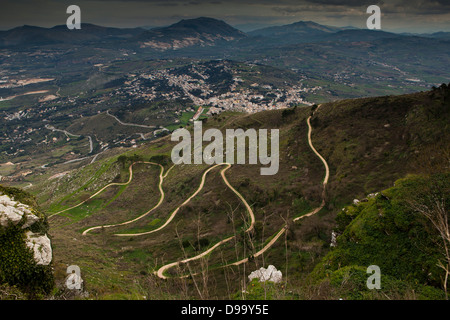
x,y
129,124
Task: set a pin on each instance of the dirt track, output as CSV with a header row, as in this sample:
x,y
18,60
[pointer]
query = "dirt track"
x,y
160,272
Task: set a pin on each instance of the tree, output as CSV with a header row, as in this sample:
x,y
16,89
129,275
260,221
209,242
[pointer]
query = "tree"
x,y
122,160
135,158
435,210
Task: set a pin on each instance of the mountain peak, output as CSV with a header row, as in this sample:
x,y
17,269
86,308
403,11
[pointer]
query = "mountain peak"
x,y
207,25
202,19
202,31
303,27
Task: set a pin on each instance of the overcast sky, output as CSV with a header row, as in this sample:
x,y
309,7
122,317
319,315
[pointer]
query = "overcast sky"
x,y
397,15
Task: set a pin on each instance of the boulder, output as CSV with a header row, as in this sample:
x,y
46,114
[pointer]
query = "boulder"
x,y
333,242
41,247
12,212
269,274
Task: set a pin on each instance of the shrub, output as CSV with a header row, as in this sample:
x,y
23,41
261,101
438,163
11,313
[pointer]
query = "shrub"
x,y
385,231
17,265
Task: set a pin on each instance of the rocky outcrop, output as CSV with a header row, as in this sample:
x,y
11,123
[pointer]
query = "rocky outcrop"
x,y
41,247
14,213
269,274
333,242
25,248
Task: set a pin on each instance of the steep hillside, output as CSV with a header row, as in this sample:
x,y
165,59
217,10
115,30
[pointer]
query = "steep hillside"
x,y
390,230
370,143
125,218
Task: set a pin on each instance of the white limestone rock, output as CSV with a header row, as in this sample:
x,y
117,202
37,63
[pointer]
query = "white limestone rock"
x,y
13,211
333,239
269,274
41,247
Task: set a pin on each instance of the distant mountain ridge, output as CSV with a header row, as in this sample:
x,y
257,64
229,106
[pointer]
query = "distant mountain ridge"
x,y
439,35
198,32
308,32
190,32
297,27
36,36
185,33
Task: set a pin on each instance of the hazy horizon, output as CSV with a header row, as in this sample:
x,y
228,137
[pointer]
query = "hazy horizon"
x,y
242,27
414,16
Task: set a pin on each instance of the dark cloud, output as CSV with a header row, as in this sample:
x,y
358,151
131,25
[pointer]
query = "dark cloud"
x,y
288,10
168,4
344,3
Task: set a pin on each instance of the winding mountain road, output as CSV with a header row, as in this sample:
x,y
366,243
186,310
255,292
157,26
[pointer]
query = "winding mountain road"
x,y
160,272
130,169
163,269
129,124
200,187
161,199
327,172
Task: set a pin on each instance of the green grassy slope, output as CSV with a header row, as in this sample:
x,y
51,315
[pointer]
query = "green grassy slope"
x,y
389,231
368,144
